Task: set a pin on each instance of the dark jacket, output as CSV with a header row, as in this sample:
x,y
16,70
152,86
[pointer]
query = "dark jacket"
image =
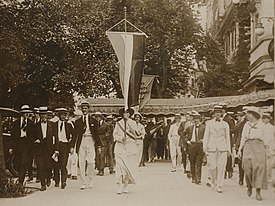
x,y
16,132
51,141
105,133
79,130
231,122
189,131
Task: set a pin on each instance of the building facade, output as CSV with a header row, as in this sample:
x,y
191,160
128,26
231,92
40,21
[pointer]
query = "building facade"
x,y
236,25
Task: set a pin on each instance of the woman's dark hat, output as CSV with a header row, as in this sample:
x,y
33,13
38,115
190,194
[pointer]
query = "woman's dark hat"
x,y
129,110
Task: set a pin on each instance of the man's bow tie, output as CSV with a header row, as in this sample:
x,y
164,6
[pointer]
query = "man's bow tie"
x,y
218,120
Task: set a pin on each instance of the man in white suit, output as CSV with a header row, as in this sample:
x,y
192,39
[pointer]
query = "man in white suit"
x,y
216,144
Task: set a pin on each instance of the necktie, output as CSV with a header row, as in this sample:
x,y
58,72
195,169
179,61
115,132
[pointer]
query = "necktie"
x,y
61,126
23,126
196,132
84,121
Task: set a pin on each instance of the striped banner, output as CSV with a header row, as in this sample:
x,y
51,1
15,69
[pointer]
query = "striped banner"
x,y
129,48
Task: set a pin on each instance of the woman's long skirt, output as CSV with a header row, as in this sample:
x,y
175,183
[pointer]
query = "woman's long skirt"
x,y
254,164
126,168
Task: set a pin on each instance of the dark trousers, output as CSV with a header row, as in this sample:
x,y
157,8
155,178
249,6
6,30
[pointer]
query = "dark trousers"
x,y
110,157
101,158
44,171
195,155
184,157
145,155
160,148
44,164
22,159
61,165
229,166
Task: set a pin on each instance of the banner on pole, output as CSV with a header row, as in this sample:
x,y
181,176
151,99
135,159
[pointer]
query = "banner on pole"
x,y
145,89
129,48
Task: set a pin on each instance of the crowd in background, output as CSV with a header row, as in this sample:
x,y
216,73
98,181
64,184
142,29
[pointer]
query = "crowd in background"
x,y
189,140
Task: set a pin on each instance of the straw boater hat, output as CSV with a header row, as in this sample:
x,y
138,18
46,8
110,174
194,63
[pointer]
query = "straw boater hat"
x,y
129,110
35,110
25,109
85,103
224,105
217,108
196,115
177,116
109,117
98,114
43,110
61,110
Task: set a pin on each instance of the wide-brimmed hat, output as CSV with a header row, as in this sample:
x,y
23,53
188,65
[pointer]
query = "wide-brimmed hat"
x,y
84,103
217,108
61,110
129,110
43,110
255,110
266,115
25,109
137,113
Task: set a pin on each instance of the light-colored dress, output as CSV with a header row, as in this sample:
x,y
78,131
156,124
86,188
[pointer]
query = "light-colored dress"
x,y
126,152
253,142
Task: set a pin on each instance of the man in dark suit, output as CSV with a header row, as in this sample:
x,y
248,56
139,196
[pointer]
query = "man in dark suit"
x,y
194,137
231,122
86,138
64,132
22,146
46,147
104,133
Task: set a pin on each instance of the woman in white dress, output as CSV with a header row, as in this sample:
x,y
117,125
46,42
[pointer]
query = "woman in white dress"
x,y
126,151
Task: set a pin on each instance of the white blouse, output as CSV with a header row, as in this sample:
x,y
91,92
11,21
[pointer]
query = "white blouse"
x,y
253,131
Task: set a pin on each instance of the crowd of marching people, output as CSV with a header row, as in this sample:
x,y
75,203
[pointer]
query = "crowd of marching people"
x,y
62,146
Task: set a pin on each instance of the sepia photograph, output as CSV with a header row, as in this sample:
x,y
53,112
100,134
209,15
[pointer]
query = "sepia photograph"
x,y
137,103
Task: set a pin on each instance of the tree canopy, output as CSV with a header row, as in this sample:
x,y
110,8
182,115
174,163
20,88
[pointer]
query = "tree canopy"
x,y
50,49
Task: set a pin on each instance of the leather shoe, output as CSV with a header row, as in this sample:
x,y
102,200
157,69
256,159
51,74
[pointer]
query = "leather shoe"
x,y
63,185
112,171
56,185
198,182
43,188
101,173
48,183
74,177
194,181
230,174
249,191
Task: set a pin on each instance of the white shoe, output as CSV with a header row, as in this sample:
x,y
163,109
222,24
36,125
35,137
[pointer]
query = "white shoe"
x,y
219,189
83,187
125,188
119,189
91,185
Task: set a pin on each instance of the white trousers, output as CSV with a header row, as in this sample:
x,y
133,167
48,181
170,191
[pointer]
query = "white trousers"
x,y
216,164
87,154
140,149
175,151
72,164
